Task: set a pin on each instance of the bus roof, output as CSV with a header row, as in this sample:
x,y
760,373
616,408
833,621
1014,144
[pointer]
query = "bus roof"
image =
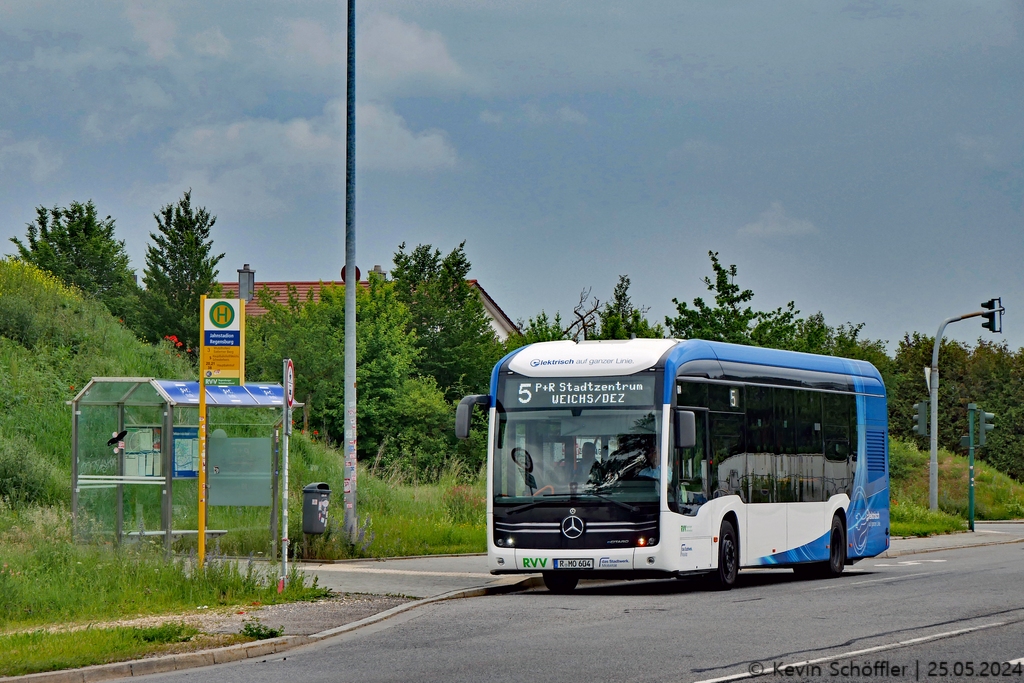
x,y
567,358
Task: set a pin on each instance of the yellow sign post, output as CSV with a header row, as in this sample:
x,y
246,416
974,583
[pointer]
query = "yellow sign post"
x,y
221,363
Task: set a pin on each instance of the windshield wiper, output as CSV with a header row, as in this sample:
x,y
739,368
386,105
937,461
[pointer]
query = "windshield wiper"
x,y
520,508
572,496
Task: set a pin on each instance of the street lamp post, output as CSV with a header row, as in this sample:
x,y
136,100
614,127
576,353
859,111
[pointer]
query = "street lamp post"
x,y
351,280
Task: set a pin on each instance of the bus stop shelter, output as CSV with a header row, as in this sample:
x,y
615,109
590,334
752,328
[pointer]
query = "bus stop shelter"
x,y
135,461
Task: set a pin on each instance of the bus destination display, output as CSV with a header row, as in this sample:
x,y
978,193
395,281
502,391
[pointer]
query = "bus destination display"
x,y
579,391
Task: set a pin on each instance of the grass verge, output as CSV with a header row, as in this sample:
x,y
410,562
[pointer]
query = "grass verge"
x,y
46,579
40,650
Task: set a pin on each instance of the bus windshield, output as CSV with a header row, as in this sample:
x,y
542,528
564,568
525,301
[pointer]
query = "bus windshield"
x,y
584,453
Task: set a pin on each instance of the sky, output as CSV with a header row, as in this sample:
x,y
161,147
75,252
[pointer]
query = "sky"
x,y
863,159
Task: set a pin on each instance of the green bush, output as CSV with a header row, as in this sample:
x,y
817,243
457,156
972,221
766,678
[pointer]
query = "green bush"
x,y
257,630
26,476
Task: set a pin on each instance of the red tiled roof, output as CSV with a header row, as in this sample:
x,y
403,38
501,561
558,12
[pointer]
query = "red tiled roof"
x,y
303,289
280,292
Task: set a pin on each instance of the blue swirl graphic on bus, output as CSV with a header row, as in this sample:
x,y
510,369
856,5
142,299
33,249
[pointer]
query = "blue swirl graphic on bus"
x,y
857,515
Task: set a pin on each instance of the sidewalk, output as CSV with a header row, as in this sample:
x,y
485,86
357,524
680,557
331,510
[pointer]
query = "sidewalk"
x,y
985,533
418,577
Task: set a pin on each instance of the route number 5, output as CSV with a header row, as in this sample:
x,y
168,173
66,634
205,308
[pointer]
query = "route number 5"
x,y
524,390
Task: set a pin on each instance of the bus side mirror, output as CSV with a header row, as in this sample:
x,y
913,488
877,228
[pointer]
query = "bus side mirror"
x,y
464,413
685,429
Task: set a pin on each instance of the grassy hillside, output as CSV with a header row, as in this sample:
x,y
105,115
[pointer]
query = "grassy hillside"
x,y
52,340
996,495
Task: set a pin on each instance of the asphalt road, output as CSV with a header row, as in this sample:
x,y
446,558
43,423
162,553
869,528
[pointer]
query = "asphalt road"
x,y
913,612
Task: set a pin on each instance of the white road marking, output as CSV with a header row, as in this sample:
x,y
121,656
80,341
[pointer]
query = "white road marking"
x,y
989,531
855,653
1017,661
905,563
861,583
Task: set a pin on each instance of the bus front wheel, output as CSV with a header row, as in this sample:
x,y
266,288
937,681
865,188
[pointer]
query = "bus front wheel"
x,y
728,558
560,583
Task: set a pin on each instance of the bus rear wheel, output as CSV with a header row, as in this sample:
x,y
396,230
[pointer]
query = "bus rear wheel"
x,y
560,583
724,577
836,556
836,550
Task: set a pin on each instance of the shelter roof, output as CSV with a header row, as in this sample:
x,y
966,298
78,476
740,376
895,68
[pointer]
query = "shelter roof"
x,y
147,390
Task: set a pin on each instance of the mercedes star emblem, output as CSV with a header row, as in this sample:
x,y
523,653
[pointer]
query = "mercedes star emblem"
x,y
572,527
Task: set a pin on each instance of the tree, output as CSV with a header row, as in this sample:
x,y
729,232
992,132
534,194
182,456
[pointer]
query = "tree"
x,y
730,320
620,319
458,346
179,270
77,246
405,422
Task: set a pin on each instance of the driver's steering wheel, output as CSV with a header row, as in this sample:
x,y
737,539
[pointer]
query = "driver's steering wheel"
x,y
521,458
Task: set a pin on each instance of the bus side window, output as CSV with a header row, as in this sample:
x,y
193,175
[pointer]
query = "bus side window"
x,y
727,453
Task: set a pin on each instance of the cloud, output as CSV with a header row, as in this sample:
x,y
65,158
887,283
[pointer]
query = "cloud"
x,y
391,52
492,117
34,155
567,114
310,39
146,93
211,43
391,146
393,56
258,165
700,149
983,149
773,222
532,114
59,60
152,25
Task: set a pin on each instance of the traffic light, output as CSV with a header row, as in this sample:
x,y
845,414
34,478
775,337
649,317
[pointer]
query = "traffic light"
x,y
921,419
984,425
994,317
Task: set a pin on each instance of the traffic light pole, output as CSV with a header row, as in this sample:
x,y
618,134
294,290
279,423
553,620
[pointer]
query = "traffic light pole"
x,y
971,409
933,473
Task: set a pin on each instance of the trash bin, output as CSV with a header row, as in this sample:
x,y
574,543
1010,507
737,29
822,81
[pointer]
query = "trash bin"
x,y
314,507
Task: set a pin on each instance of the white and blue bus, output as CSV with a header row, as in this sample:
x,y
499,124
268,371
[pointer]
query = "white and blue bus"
x,y
654,458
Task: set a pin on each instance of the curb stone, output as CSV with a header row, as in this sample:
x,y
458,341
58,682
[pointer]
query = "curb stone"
x,y
889,554
260,648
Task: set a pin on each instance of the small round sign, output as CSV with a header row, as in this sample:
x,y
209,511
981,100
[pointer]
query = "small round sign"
x,y
359,275
222,314
289,383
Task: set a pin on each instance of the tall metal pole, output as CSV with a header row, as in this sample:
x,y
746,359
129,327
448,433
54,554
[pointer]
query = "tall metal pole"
x,y
933,472
202,434
972,408
286,432
351,280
